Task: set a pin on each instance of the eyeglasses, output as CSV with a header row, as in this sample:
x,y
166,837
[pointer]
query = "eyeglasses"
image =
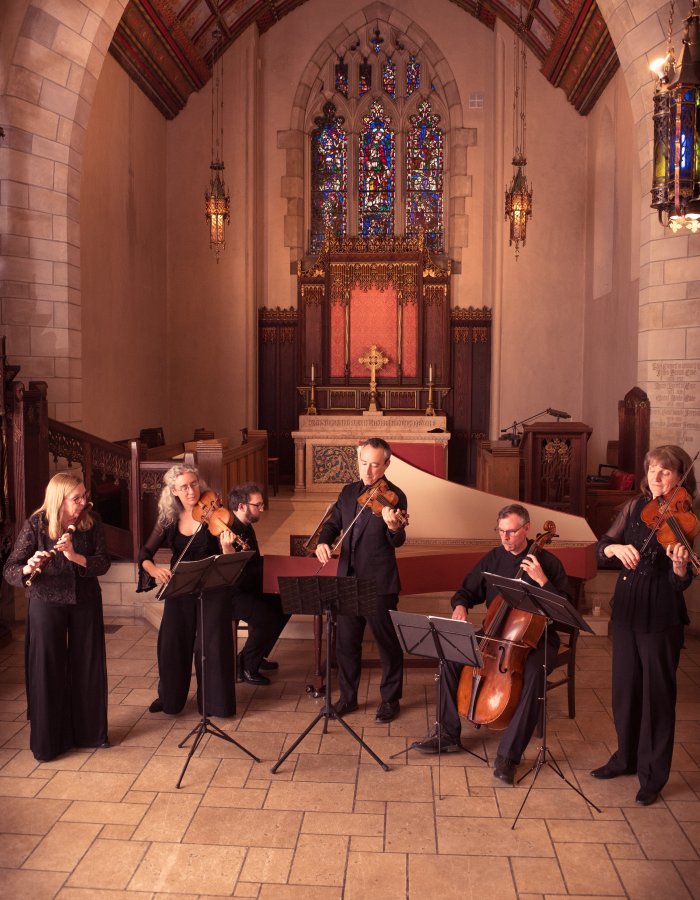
x,y
508,532
260,506
82,498
191,486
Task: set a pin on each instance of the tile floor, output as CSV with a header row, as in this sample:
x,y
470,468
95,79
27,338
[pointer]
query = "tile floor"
x,y
331,823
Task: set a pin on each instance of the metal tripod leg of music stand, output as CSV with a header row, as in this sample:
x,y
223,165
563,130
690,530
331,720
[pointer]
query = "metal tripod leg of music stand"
x,y
205,726
544,754
327,712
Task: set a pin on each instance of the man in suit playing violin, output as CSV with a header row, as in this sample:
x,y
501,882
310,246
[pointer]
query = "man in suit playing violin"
x,y
545,570
262,612
368,551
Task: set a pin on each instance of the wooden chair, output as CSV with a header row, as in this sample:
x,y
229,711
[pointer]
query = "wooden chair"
x,y
152,437
566,658
273,473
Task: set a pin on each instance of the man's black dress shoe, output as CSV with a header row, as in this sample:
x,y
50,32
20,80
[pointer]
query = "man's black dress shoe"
x,y
607,771
646,798
269,665
504,769
345,707
446,743
254,677
387,711
156,706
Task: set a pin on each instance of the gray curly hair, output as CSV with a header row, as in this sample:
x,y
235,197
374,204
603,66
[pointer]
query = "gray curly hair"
x,y
169,505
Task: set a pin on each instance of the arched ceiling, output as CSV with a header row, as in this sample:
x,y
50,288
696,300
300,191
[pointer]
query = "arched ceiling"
x,y
168,46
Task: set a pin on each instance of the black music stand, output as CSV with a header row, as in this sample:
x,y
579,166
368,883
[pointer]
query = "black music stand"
x,y
199,576
315,595
557,610
443,639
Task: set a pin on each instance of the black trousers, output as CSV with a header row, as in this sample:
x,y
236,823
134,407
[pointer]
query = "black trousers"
x,y
266,621
644,702
349,633
180,637
522,725
66,676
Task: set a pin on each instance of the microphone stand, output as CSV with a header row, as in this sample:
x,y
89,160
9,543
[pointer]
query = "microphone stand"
x,y
510,433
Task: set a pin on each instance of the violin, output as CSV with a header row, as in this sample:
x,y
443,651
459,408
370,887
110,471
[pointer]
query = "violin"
x,y
210,511
672,521
378,497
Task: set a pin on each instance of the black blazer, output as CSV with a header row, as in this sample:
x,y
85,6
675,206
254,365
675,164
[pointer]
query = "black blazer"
x,y
369,551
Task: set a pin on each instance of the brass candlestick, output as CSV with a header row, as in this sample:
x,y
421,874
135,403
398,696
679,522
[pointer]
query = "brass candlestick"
x,y
311,408
373,360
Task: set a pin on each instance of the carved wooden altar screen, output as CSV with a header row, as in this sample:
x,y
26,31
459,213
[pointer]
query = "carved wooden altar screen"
x,y
386,292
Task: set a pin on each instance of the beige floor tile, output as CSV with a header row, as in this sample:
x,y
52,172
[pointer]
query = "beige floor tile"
x,y
659,835
266,865
690,873
108,865
22,815
19,786
479,807
327,768
15,848
376,875
244,827
365,824
243,798
104,813
493,837
87,786
319,860
455,878
410,828
20,884
167,818
309,796
117,832
537,876
406,783
587,869
198,868
299,892
63,847
650,879
593,831
162,774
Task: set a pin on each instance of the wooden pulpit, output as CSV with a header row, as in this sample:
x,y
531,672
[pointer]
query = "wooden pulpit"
x,y
555,462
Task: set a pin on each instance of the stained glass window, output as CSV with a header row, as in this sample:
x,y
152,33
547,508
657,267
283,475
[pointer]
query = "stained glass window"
x,y
412,76
424,177
376,174
365,77
389,78
329,153
341,78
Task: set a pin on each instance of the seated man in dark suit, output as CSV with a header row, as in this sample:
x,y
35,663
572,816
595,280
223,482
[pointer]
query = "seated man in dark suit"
x,y
262,612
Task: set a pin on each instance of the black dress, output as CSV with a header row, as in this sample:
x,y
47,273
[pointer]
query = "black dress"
x,y
179,636
648,617
262,612
65,660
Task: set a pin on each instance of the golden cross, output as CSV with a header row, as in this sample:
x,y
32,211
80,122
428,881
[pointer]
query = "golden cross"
x,y
373,359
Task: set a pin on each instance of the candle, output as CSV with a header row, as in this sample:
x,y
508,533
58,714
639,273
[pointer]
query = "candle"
x,y
430,373
313,371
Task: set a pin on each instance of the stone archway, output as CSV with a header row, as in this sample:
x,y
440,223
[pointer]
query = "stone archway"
x,y
56,61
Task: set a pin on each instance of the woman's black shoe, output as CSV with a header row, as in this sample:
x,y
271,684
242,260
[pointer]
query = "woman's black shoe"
x,y
607,771
254,677
269,665
156,706
646,798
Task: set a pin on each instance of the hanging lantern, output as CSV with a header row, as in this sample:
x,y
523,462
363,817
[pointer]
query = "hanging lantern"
x,y
216,198
518,206
675,192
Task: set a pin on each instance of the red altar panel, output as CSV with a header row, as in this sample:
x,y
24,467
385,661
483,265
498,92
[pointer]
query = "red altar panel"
x,y
337,340
410,340
373,320
425,456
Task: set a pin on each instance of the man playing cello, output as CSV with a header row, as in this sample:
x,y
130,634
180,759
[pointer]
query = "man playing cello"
x,y
545,570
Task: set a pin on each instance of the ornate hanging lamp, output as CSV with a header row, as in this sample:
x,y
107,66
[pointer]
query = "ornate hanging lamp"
x,y
519,194
217,199
675,192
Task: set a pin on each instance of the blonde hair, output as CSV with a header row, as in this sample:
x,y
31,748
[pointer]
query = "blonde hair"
x,y
169,505
57,490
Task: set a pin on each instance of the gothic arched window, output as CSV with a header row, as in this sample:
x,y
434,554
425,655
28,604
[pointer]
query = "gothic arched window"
x,y
377,168
376,176
424,177
329,153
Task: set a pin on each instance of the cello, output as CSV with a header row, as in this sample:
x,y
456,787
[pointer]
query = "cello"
x,y
490,695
